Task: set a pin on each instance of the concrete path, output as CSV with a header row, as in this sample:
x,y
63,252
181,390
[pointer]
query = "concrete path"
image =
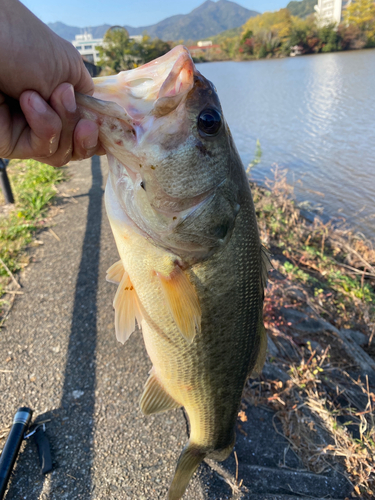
x,y
59,356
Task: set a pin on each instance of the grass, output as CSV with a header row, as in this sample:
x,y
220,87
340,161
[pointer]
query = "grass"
x,y
326,272
34,187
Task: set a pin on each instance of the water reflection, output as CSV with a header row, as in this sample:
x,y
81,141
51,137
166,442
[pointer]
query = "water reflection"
x,y
313,115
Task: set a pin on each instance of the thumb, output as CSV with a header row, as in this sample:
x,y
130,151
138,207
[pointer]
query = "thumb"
x,y
85,85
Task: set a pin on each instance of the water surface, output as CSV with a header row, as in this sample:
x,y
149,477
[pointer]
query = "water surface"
x,y
315,116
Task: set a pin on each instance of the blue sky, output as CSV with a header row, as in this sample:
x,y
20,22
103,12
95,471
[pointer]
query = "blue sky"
x,y
131,12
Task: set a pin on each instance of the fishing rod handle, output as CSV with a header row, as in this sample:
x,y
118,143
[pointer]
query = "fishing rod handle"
x,y
11,448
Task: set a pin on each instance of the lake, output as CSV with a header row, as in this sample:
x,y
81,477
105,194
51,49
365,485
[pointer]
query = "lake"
x,y
315,116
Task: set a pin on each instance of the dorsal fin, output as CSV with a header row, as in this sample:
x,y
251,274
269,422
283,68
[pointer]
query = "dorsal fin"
x,y
127,309
182,301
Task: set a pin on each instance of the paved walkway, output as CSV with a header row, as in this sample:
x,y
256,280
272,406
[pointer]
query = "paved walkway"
x,y
64,362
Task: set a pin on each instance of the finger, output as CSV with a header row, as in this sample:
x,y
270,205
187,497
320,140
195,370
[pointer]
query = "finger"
x,y
64,103
6,129
41,138
86,140
85,85
79,77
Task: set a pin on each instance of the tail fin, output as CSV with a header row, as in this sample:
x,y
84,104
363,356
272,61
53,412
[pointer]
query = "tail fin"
x,y
191,456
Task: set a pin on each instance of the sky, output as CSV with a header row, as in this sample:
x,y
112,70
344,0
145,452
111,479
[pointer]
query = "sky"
x,y
129,12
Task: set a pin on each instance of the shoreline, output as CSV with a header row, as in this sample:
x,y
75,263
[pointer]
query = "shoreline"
x,y
319,313
310,210
254,59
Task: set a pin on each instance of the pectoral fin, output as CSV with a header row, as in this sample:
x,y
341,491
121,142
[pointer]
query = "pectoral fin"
x,y
127,308
182,301
115,273
155,399
265,267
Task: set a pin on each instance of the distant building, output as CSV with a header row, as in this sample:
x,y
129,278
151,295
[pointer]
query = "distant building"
x,y
200,50
207,43
86,46
330,11
297,50
136,38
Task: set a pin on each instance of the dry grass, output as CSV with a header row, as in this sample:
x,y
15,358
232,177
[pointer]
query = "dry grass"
x,y
321,271
336,265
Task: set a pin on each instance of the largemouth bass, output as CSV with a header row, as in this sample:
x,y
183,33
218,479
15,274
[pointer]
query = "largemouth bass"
x,y
192,269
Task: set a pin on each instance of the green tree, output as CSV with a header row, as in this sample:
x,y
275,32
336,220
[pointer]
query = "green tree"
x,y
116,54
150,49
120,53
329,38
301,8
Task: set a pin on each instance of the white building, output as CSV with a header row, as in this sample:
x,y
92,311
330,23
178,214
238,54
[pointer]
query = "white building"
x,y
330,11
86,46
206,43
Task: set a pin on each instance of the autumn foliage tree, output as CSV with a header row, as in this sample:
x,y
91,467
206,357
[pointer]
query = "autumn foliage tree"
x,y
361,13
273,34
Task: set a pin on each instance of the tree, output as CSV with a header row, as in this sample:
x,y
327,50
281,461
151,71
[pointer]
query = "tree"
x,y
266,34
117,50
120,53
361,13
302,8
304,34
149,49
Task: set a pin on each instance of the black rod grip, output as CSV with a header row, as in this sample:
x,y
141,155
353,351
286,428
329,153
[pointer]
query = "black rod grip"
x,y
5,184
11,448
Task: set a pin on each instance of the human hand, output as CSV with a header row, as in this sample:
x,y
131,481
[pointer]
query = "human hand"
x,y
52,133
38,66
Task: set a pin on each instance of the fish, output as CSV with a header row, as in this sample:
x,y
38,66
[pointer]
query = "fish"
x,y
192,270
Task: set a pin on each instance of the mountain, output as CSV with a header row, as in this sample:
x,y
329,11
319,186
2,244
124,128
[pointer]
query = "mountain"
x,y
205,21
303,8
69,32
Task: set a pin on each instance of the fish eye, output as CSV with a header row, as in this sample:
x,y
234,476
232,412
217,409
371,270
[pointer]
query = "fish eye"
x,y
209,121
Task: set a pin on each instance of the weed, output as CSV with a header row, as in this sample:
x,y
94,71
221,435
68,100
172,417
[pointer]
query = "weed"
x,y
33,185
325,272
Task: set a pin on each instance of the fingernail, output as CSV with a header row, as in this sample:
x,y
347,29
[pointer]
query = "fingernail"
x,y
37,103
69,100
91,141
52,144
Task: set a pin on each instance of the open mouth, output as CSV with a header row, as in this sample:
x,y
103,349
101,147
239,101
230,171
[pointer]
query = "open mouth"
x,y
152,89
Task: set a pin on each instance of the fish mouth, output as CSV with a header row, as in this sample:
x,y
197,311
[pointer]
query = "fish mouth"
x,y
154,89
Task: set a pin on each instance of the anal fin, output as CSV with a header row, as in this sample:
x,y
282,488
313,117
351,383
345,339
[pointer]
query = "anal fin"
x,y
127,309
183,303
155,399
